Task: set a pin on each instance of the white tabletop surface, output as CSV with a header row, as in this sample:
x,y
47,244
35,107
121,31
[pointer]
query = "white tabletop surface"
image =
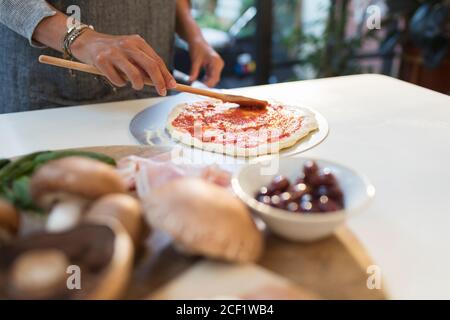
x,y
396,133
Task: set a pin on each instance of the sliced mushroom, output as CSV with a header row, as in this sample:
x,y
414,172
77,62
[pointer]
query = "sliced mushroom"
x,y
38,274
68,185
9,221
36,267
205,219
116,276
125,209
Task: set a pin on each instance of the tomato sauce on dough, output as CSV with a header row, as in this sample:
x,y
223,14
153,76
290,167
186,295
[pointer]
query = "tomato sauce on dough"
x,y
225,123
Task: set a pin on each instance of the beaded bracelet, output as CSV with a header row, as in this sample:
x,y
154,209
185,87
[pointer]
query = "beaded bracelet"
x,y
71,35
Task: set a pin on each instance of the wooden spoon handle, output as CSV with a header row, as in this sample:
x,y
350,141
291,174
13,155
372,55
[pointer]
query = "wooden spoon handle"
x,y
201,92
63,63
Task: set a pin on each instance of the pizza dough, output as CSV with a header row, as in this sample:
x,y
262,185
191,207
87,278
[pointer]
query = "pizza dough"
x,y
226,128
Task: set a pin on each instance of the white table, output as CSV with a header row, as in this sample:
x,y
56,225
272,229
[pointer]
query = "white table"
x,y
396,133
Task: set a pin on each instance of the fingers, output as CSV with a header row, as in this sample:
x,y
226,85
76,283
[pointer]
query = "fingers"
x,y
130,58
213,72
152,68
204,56
111,73
151,64
168,78
196,65
131,71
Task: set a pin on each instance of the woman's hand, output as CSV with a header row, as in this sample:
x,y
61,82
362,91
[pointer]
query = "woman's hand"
x,y
203,56
123,57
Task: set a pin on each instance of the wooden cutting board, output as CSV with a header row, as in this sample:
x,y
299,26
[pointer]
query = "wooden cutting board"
x,y
217,280
333,268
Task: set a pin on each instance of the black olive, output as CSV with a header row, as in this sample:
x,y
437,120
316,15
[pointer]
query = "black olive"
x,y
292,206
310,170
335,193
278,185
309,206
263,191
306,198
298,190
321,191
275,201
329,205
314,190
264,199
326,178
300,178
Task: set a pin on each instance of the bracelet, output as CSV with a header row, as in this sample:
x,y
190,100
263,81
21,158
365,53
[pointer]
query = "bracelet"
x,y
72,34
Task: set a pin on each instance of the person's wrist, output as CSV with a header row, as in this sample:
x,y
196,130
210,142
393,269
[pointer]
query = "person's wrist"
x,y
80,45
196,40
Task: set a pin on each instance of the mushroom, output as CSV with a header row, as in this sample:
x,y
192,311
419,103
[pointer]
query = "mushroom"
x,y
37,266
204,219
38,274
125,209
9,221
68,185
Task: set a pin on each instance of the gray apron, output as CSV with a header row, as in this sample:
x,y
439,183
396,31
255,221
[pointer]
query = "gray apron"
x,y
25,84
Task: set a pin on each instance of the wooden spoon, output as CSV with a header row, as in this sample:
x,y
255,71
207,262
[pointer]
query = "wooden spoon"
x,y
240,100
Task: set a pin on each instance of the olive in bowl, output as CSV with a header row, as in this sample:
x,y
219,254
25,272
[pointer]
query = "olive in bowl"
x,y
314,190
304,199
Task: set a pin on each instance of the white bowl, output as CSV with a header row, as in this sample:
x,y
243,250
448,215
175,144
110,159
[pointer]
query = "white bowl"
x,y
357,189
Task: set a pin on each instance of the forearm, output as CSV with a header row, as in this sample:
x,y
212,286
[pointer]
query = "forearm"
x,y
119,58
186,26
51,31
202,55
23,16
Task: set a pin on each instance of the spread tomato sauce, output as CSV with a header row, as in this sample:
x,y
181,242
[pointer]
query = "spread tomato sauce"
x,y
226,123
